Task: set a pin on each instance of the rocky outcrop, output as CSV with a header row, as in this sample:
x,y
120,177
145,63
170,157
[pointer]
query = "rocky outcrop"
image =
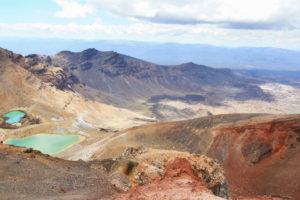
x,y
140,166
178,182
7,56
42,67
254,152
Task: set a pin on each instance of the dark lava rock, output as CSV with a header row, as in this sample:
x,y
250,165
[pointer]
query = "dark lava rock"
x,y
254,152
86,66
29,150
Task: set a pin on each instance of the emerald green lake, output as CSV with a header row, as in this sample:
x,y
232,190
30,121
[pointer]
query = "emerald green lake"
x,y
14,116
46,143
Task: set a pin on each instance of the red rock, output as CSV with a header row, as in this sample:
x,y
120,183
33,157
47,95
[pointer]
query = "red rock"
x,y
179,182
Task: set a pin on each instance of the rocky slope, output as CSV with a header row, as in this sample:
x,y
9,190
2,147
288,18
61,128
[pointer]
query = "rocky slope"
x,y
42,67
27,174
118,74
171,93
131,83
166,93
140,166
45,91
179,182
263,149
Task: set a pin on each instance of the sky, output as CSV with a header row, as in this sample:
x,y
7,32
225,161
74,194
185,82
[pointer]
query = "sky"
x,y
273,23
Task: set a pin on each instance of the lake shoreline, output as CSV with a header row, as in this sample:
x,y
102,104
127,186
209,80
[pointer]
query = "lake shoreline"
x,y
80,139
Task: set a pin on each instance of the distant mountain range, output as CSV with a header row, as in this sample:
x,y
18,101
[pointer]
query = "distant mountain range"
x,y
123,81
127,79
169,53
162,92
277,76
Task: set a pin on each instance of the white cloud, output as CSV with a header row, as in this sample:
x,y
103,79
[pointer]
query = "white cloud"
x,y
266,14
198,33
72,9
228,23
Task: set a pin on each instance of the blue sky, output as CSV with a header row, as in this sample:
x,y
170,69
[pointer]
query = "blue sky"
x,y
274,23
29,11
44,11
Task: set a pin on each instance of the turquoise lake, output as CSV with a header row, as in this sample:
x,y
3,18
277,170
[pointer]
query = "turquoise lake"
x,y
46,143
14,116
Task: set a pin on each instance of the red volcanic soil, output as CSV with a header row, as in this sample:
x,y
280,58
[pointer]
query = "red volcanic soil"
x,y
260,153
179,182
262,158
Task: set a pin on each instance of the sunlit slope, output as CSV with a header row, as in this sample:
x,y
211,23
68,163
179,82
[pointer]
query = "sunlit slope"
x,y
263,149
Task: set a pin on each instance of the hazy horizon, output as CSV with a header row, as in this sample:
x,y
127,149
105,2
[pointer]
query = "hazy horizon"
x,y
167,53
228,34
271,23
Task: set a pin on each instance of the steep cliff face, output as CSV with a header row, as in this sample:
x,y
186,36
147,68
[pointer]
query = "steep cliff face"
x,y
262,149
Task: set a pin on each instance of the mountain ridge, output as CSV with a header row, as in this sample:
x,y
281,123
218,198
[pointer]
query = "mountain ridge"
x,y
130,83
170,53
131,74
166,93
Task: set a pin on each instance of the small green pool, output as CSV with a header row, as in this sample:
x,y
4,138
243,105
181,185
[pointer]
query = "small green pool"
x,y
46,143
14,116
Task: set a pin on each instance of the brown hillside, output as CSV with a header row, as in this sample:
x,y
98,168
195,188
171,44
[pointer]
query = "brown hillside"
x,y
260,153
